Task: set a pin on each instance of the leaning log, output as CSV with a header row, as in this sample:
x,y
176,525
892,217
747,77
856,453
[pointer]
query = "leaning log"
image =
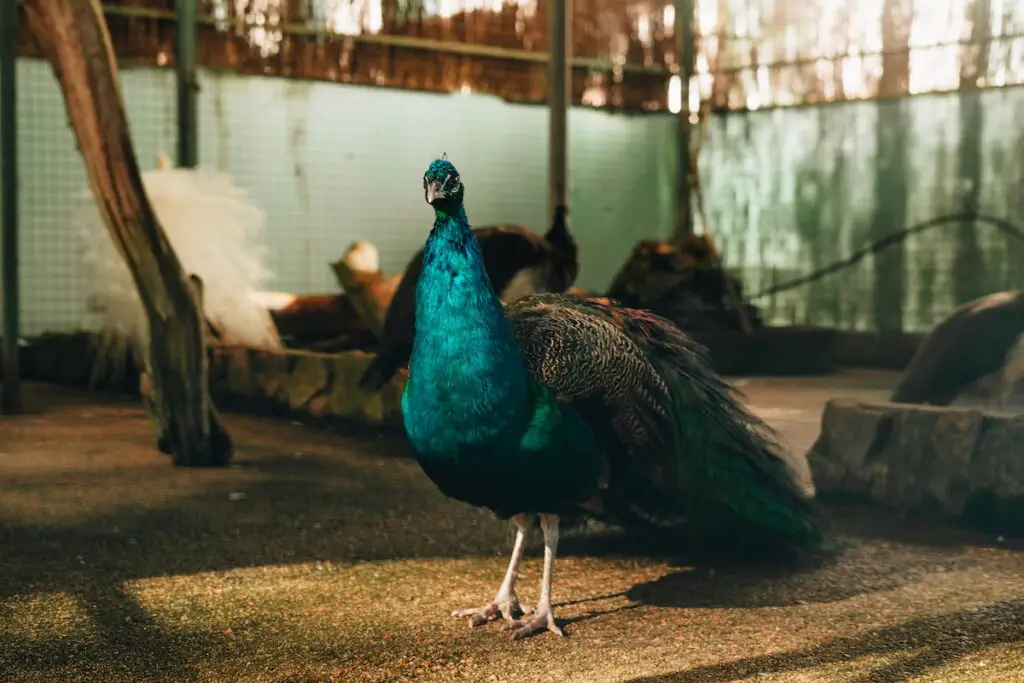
x,y
370,291
312,316
75,39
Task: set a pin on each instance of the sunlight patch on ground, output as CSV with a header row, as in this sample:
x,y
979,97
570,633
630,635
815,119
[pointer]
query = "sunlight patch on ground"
x,y
849,671
766,413
45,616
1001,663
361,620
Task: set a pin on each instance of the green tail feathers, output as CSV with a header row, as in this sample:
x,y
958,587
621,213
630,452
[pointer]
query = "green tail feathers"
x,y
734,479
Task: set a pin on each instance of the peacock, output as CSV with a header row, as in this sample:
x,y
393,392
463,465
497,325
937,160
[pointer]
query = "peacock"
x,y
558,407
518,261
980,344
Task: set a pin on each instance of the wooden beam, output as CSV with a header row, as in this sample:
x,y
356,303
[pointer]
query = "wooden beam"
x,y
559,97
10,401
186,57
76,41
686,56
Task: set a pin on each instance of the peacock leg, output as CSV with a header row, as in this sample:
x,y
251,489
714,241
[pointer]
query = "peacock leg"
x,y
543,617
505,603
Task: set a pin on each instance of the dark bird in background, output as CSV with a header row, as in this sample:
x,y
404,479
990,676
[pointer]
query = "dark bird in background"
x,y
565,407
518,261
981,343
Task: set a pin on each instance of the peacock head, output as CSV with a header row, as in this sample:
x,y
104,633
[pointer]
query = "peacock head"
x,y
442,187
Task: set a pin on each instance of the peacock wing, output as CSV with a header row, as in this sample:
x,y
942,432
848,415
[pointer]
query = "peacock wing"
x,y
580,351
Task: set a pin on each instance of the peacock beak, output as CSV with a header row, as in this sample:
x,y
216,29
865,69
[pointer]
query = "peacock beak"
x,y
435,192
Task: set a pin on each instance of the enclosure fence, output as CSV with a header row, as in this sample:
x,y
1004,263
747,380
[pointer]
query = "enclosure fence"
x,y
832,123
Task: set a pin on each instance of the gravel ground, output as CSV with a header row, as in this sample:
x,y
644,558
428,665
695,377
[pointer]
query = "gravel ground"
x,y
330,557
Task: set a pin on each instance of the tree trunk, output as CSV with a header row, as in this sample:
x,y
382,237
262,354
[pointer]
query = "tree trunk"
x,y
75,39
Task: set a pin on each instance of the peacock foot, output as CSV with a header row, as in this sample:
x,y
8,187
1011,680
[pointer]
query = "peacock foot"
x,y
541,620
509,609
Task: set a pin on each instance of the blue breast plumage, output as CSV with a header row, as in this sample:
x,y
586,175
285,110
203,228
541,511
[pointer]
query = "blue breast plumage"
x,y
484,431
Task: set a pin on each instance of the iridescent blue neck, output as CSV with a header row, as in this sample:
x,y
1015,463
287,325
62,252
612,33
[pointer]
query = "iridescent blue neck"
x,y
464,350
458,215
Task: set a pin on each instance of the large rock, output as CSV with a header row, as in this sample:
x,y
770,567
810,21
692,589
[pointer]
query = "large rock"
x,y
300,383
318,385
269,369
965,463
347,400
309,377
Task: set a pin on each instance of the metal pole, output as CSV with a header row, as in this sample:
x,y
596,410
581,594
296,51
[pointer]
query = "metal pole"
x,y
559,93
685,48
186,58
10,402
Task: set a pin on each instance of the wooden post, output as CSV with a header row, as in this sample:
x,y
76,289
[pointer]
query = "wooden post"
x,y
685,49
75,39
10,401
559,96
185,59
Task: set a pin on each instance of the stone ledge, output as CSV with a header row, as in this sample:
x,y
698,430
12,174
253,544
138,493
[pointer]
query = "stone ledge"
x,y
301,384
772,351
958,462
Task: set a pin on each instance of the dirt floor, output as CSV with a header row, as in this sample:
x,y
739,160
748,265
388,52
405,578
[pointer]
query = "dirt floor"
x,y
330,557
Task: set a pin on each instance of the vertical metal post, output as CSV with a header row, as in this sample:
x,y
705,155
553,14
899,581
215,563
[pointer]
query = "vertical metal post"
x,y
685,48
186,58
10,401
559,94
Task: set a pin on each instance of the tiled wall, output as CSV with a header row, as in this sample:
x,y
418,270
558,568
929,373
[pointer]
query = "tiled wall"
x,y
330,164
786,190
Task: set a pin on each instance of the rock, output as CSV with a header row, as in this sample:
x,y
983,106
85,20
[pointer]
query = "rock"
x,y
912,457
268,369
308,377
391,397
347,400
238,381
687,285
217,368
320,385
317,406
998,461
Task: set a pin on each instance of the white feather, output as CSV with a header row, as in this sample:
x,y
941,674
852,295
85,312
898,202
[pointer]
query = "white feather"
x,y
217,234
273,301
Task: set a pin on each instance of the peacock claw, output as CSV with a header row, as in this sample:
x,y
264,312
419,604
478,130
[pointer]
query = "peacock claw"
x,y
508,610
540,621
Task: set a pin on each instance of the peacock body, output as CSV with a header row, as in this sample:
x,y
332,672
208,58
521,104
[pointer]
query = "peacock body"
x,y
559,406
487,433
